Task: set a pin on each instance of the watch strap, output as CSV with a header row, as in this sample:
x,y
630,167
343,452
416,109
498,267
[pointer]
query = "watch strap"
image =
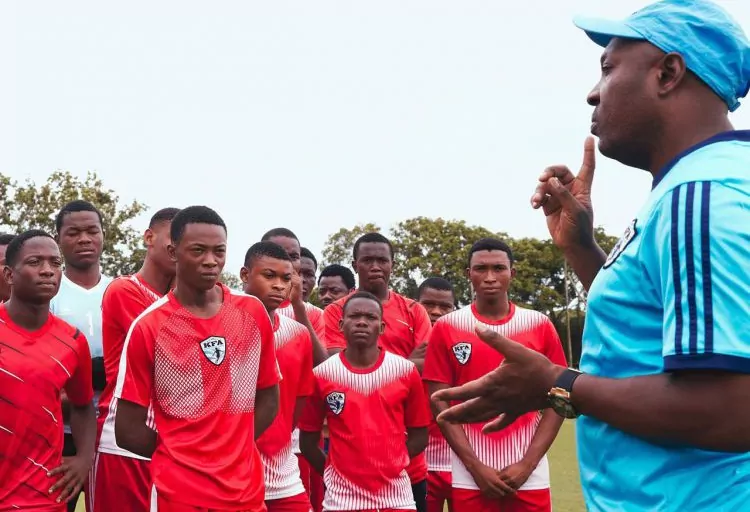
x,y
566,379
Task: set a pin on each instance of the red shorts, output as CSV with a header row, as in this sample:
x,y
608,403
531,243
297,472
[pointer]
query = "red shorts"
x,y
538,500
439,491
118,483
313,483
163,505
299,503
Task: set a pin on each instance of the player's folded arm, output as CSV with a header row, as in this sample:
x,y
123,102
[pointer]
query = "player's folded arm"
x,y
702,242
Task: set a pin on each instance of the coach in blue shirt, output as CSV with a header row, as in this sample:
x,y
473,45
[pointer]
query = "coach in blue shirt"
x,y
664,397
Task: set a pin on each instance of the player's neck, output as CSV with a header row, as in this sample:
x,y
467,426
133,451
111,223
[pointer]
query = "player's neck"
x,y
362,357
202,303
381,294
26,315
496,308
85,278
155,278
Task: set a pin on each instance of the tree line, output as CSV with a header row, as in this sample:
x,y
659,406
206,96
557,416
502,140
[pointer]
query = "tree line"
x,y
424,247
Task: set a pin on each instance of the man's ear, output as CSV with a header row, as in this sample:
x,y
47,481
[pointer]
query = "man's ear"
x,y
148,237
8,275
172,251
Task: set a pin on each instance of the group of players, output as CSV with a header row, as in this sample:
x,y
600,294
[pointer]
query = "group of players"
x,y
165,390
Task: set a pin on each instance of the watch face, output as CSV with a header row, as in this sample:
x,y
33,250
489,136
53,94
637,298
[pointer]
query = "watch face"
x,y
563,407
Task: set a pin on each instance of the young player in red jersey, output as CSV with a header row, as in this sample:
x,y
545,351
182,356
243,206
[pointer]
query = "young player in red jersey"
x,y
335,282
506,471
203,357
437,297
121,479
267,274
377,415
5,239
407,325
308,269
297,308
41,357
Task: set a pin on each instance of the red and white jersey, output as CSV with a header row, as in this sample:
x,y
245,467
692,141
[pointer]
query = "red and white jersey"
x,y
368,412
456,355
315,315
438,451
294,355
35,366
124,299
202,375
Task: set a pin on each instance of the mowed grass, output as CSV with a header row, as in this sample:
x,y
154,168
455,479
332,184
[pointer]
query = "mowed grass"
x,y
566,487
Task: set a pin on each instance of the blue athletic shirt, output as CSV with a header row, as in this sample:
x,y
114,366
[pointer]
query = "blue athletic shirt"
x,y
674,294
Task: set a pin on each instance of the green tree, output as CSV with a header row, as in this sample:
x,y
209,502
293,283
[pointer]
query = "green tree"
x,y
338,247
32,206
231,280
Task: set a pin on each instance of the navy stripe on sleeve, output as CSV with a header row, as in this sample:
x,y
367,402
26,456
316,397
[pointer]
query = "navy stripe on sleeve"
x,y
690,270
675,248
708,311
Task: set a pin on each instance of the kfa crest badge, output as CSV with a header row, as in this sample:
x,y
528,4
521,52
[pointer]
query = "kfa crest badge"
x,y
335,401
621,244
214,348
462,351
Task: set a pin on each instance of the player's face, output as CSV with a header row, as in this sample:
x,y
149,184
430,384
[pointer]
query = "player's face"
x,y
436,302
200,255
307,273
624,101
362,322
331,289
292,248
81,239
4,288
490,274
373,265
35,277
157,240
269,279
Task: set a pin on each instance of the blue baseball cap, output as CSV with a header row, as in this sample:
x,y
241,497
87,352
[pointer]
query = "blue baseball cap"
x,y
712,43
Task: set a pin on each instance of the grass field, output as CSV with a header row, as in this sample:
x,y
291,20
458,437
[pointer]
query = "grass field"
x,y
566,488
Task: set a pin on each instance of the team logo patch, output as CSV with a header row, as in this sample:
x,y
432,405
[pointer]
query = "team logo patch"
x,y
335,401
462,351
621,244
214,348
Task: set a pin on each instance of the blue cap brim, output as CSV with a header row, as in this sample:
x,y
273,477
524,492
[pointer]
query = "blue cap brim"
x,y
601,31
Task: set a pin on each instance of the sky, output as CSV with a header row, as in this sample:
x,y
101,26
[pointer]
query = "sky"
x,y
313,115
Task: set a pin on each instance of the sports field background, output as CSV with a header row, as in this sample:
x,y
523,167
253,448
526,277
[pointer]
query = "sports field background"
x,y
566,488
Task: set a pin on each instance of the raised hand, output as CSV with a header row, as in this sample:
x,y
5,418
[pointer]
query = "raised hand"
x,y
566,201
295,293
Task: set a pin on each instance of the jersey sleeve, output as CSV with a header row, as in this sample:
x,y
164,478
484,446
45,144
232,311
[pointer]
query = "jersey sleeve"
x,y
269,373
307,378
700,243
437,363
79,387
553,348
332,315
135,379
313,414
422,324
318,324
416,413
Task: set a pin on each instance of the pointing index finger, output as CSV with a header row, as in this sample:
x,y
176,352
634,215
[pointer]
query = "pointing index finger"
x,y
586,173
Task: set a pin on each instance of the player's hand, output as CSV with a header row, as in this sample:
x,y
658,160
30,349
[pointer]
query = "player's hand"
x,y
489,482
295,294
516,474
74,471
519,385
566,201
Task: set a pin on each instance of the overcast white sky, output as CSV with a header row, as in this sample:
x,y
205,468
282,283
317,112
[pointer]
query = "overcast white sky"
x,y
312,114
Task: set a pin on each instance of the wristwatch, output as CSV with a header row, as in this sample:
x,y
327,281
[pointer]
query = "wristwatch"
x,y
559,395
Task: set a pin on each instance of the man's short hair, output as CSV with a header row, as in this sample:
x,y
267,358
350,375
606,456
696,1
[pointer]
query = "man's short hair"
x,y
267,249
5,238
490,244
79,205
282,232
435,283
163,215
193,215
15,245
371,238
363,295
307,253
341,271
